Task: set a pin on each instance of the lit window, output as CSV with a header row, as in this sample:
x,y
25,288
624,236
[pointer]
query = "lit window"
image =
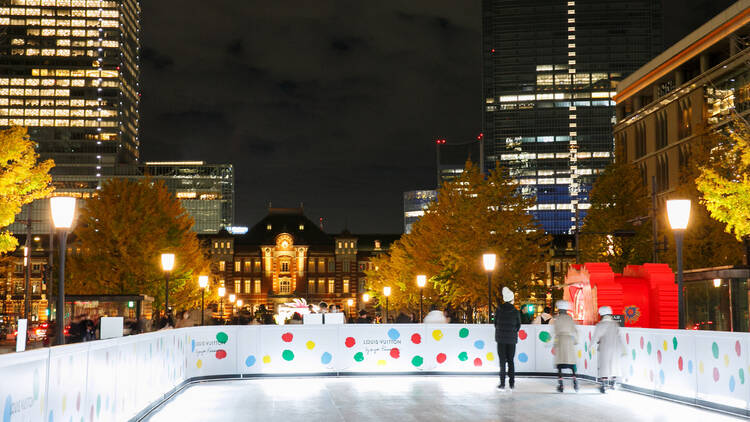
x,y
311,286
331,285
285,267
285,286
247,287
346,285
257,287
321,285
237,266
222,266
237,286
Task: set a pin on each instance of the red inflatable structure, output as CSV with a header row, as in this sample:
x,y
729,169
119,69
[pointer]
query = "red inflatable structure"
x,y
645,295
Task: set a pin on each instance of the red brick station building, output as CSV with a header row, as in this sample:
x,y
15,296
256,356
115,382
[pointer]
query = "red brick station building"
x,y
286,256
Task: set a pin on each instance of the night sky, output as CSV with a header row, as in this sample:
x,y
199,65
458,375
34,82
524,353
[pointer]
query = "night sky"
x,y
333,103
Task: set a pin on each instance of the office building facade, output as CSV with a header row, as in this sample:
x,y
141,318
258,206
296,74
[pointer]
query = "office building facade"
x,y
69,72
415,203
550,68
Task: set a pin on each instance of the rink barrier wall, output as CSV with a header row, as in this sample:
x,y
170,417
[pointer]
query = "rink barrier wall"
x,y
124,378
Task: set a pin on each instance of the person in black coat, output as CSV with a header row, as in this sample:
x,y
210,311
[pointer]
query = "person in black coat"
x,y
507,324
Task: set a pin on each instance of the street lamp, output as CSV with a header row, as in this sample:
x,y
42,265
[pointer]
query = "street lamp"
x,y
239,307
203,283
421,281
678,212
167,264
232,300
63,210
349,303
222,291
365,297
386,293
488,260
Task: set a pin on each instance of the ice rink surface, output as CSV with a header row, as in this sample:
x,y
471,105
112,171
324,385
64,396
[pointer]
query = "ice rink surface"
x,y
416,398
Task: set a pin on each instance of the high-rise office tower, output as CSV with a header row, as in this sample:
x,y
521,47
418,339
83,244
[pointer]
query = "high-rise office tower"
x,y
69,72
550,68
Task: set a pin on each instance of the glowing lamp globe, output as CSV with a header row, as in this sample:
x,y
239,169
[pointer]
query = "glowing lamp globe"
x,y
421,280
678,212
167,261
232,297
222,291
488,260
717,282
386,291
63,210
239,303
365,298
350,302
203,281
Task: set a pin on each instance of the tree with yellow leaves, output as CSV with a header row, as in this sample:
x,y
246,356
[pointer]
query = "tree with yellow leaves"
x,y
724,179
473,215
122,232
22,179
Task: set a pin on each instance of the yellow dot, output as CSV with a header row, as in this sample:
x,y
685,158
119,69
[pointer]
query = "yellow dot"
x,y
310,345
490,356
437,335
579,354
64,403
199,364
700,367
726,360
266,359
381,362
665,346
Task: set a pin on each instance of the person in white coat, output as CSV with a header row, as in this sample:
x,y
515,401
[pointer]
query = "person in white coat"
x,y
436,316
566,337
610,347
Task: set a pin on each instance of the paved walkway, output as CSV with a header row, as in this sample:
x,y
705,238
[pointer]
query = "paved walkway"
x,y
416,398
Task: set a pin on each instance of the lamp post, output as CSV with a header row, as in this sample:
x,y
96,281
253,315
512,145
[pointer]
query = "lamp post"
x,y
63,210
421,281
678,212
167,264
222,291
203,283
488,260
232,300
349,303
386,293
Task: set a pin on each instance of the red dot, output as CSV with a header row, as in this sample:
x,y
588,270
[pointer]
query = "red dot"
x,y
627,338
716,374
522,335
416,338
221,354
738,348
441,357
658,356
477,362
395,353
679,363
553,351
585,364
641,342
349,342
589,335
287,337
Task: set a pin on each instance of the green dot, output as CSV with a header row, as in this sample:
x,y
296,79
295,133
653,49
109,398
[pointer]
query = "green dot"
x,y
674,343
544,336
633,354
463,333
715,350
585,347
463,356
648,347
98,404
742,376
222,337
417,361
359,357
287,354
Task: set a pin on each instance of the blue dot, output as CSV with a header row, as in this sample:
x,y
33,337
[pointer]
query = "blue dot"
x,y
690,367
523,358
631,370
479,344
8,409
661,376
192,346
326,358
250,361
394,334
51,416
731,384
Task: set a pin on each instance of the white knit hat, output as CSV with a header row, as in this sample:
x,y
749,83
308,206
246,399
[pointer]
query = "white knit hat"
x,y
508,295
605,310
563,305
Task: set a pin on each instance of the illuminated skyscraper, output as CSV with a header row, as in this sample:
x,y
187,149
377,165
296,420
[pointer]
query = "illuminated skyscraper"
x,y
550,68
69,72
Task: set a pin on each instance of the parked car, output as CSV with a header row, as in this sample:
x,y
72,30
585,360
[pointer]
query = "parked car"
x,y
37,331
